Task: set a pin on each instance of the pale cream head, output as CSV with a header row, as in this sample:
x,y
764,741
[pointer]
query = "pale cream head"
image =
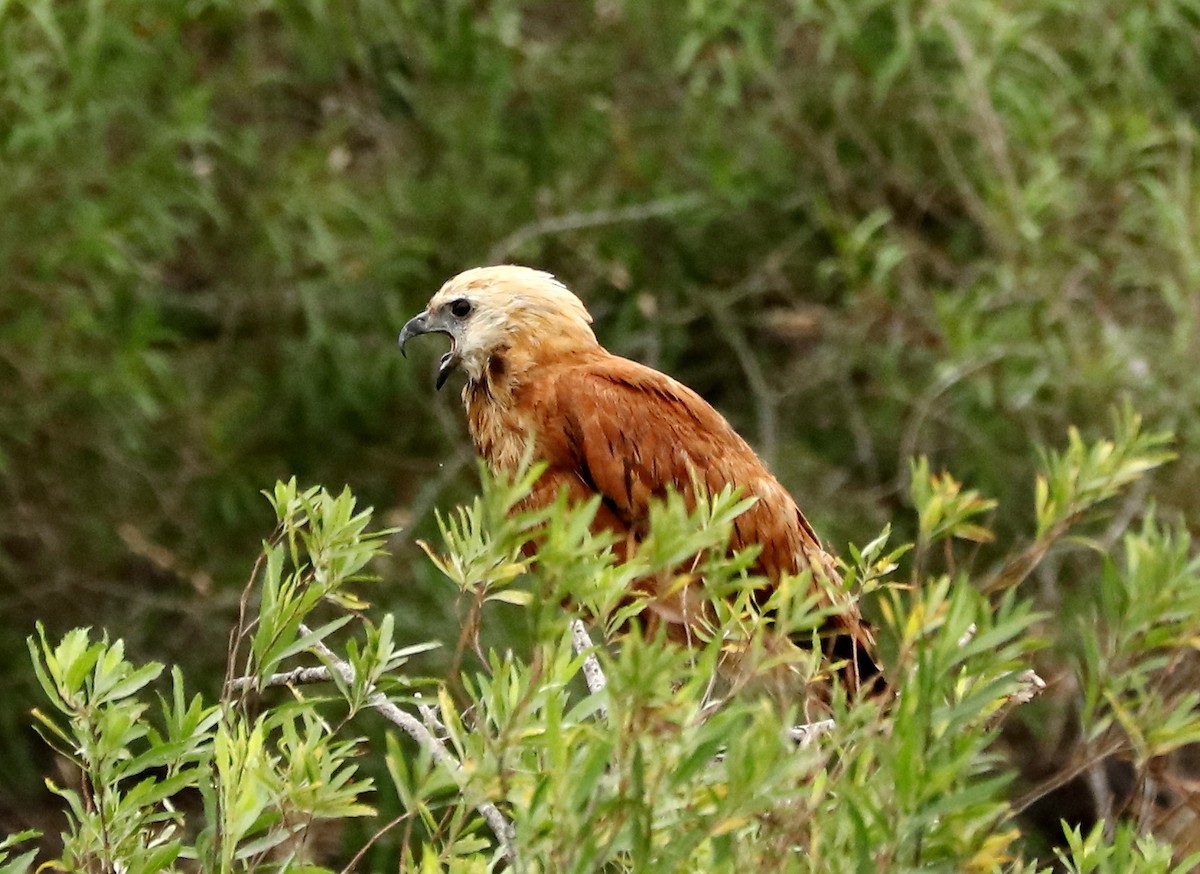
x,y
489,310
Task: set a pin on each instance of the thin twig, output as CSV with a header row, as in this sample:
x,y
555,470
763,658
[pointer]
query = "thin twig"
x,y
1031,686
239,631
766,401
989,127
414,728
1135,500
801,735
322,674
432,721
428,495
295,677
922,408
1102,796
575,221
362,851
1061,778
581,641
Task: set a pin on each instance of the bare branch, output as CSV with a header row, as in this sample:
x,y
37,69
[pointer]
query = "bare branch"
x,y
414,728
581,641
322,674
432,721
294,677
636,212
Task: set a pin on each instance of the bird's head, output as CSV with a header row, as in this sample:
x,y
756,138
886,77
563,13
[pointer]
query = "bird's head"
x,y
499,311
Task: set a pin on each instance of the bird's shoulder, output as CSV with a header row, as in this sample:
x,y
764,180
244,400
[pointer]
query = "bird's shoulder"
x,y
610,392
630,432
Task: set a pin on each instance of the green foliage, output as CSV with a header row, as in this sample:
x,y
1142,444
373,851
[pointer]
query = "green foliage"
x,y
22,863
868,232
264,777
1126,851
945,510
1083,476
1140,625
121,817
682,758
474,563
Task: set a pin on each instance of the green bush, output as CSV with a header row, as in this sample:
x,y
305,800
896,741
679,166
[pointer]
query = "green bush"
x,y
655,764
869,232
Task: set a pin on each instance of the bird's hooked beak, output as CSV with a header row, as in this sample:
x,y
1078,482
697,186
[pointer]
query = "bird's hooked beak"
x,y
425,323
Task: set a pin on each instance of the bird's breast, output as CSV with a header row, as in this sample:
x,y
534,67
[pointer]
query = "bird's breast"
x,y
500,431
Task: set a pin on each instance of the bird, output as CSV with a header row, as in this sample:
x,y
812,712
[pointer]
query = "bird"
x,y
603,425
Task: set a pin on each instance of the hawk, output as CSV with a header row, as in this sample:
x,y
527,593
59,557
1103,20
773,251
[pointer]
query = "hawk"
x,y
604,425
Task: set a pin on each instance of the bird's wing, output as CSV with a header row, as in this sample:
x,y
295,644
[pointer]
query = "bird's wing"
x,y
629,433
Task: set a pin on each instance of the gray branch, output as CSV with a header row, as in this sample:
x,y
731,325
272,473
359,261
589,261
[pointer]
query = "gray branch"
x,y
637,212
296,677
414,728
581,641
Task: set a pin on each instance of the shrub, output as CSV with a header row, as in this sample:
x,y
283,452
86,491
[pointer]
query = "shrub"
x,y
629,755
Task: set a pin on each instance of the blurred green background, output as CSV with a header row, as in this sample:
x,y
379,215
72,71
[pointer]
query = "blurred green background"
x,y
864,229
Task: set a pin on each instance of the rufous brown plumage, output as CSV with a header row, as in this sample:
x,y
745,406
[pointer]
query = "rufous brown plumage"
x,y
604,425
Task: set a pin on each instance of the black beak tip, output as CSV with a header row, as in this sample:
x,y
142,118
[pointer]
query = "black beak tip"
x,y
444,367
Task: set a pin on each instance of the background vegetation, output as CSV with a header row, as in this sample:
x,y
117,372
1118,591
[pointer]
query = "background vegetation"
x,y
865,230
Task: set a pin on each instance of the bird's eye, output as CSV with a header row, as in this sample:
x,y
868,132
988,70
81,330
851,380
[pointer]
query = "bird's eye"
x,y
460,308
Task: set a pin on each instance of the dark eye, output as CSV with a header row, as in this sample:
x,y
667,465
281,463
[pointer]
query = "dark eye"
x,y
460,308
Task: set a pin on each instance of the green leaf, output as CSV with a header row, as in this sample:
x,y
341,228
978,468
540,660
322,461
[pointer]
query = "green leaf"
x,y
516,597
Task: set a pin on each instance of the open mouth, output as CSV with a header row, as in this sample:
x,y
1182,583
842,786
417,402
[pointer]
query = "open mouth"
x,y
424,323
447,364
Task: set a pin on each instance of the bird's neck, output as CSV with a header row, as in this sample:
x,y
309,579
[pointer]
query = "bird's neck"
x,y
499,403
508,371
